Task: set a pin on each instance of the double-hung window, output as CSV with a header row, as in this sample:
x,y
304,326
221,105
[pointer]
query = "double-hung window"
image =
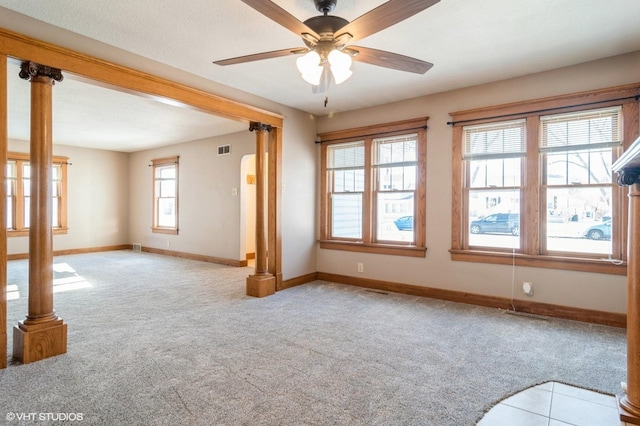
x,y
18,190
165,195
532,181
373,189
493,156
577,151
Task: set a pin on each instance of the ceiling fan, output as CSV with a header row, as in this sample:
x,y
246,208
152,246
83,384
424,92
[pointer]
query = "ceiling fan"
x,y
328,52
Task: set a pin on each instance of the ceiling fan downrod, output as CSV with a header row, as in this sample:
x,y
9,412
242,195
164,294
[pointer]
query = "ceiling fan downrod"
x,y
325,6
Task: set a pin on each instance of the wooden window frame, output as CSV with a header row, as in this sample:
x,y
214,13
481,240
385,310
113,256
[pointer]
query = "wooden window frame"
x,y
160,162
18,228
367,244
532,251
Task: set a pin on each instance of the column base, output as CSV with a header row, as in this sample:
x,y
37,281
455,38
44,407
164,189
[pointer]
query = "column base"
x,y
261,285
628,412
39,341
3,351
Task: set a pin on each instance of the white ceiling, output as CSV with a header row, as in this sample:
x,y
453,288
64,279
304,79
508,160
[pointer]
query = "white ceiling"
x,y
469,42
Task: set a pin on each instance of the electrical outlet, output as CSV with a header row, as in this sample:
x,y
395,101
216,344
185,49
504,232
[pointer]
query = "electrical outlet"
x,y
168,243
527,288
360,267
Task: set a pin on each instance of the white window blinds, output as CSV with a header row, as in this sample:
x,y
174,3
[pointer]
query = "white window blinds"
x,y
593,129
494,140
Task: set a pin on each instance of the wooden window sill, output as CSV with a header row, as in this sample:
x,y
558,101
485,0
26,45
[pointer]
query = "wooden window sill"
x,y
597,265
411,251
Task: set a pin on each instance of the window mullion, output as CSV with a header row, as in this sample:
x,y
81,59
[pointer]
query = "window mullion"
x,y
368,210
19,201
532,203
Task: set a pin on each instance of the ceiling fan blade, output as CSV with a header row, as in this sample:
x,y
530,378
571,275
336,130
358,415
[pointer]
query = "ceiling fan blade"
x,y
386,59
384,16
261,56
281,16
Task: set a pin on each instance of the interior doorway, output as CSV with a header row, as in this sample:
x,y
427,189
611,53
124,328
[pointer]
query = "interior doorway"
x,y
248,208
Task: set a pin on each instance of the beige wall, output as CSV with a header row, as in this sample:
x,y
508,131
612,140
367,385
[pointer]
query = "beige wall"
x,y
582,290
209,197
97,202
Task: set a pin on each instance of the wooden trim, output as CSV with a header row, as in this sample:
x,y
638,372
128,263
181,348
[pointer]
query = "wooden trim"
x,y
303,279
531,184
160,162
194,256
387,129
556,311
566,103
602,266
533,251
20,256
398,250
459,222
3,213
129,80
369,243
274,205
18,198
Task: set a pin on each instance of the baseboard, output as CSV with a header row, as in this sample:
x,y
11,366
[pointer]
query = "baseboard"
x,y
19,256
193,256
545,309
293,282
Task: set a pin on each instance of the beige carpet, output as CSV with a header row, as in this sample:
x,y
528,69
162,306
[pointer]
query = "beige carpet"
x,y
164,341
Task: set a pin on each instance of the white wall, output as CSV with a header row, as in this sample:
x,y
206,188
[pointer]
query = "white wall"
x,y
583,290
97,201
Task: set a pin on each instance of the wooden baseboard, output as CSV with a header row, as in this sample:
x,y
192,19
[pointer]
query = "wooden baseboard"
x,y
545,309
19,256
293,282
193,256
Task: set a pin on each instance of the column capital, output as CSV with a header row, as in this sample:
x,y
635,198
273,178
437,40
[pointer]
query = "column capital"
x,y
29,69
260,127
628,177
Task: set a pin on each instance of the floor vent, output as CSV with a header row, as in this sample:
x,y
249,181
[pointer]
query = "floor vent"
x,y
137,247
224,149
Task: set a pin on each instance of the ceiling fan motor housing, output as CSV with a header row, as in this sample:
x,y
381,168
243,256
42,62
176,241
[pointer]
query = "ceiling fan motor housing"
x,y
325,6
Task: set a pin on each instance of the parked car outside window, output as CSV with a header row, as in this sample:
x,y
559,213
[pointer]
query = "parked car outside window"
x,y
404,223
507,223
601,231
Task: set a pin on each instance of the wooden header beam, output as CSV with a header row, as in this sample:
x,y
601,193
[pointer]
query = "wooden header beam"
x,y
118,77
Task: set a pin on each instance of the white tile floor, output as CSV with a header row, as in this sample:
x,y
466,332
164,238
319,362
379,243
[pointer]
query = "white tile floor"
x,y
554,404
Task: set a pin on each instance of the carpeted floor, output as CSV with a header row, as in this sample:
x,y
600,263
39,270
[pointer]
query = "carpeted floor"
x,y
158,340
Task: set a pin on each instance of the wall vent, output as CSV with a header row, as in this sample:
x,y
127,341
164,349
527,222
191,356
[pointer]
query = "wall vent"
x,y
137,247
224,149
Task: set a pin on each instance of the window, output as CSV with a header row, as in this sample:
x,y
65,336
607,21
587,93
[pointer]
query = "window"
x,y
165,195
493,156
578,150
19,191
536,188
373,189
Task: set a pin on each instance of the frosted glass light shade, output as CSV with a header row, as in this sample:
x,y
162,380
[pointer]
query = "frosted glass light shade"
x,y
340,64
309,67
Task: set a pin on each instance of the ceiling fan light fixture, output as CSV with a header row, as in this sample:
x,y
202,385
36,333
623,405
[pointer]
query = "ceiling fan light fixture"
x,y
310,68
340,66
